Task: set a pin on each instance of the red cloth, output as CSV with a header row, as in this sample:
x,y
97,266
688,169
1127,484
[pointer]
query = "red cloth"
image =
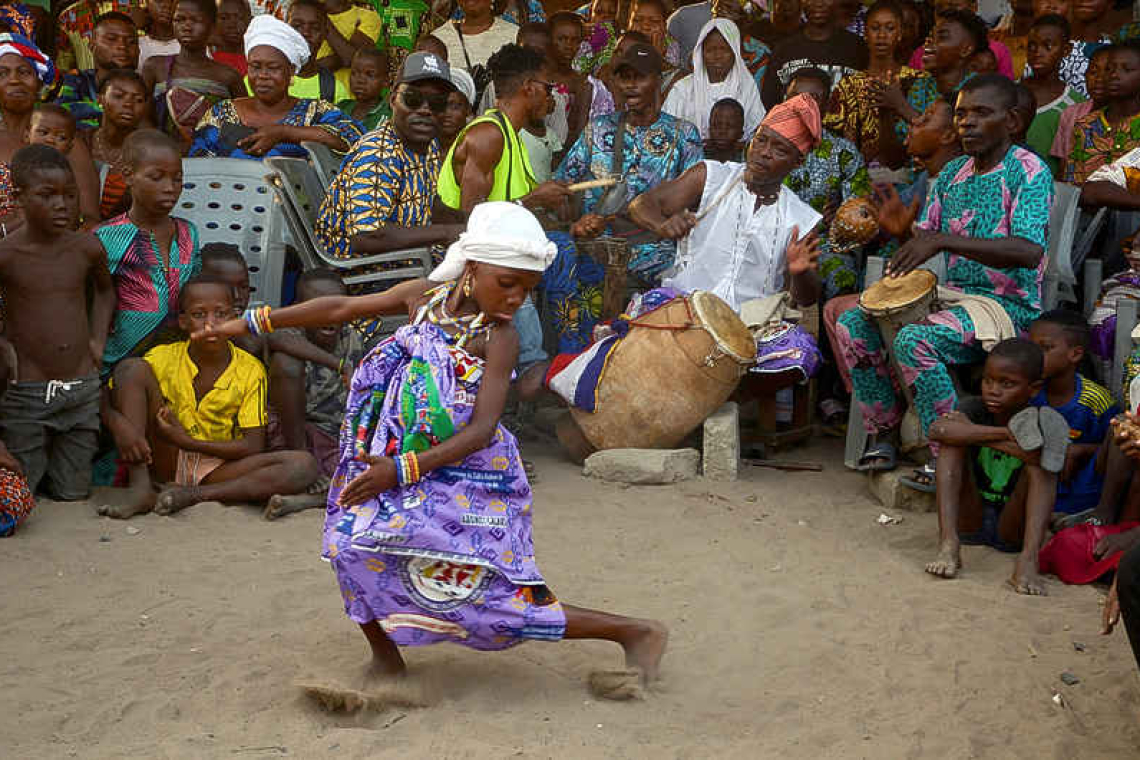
x,y
797,120
1069,554
235,61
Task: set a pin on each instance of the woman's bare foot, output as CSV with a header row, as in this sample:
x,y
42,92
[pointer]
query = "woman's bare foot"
x,y
279,506
136,501
176,499
948,562
1025,579
645,649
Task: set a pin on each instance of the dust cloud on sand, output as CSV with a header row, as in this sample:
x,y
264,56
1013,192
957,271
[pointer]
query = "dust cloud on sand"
x,y
799,628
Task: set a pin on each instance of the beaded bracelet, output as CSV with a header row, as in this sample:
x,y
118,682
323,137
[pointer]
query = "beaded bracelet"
x,y
257,320
407,469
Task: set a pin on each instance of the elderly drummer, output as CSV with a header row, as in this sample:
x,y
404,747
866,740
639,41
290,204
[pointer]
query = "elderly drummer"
x,y
986,218
749,236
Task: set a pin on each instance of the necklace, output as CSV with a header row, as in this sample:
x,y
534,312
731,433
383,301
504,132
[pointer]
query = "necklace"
x,y
105,152
467,326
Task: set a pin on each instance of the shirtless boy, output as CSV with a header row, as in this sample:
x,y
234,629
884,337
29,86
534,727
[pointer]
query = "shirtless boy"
x,y
49,419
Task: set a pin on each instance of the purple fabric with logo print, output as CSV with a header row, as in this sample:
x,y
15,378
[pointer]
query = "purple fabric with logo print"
x,y
789,347
450,558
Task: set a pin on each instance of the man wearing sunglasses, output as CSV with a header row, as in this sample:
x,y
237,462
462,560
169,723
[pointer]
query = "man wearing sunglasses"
x,y
381,200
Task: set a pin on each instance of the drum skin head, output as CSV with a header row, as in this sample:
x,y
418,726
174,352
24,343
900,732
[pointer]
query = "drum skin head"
x,y
725,326
892,292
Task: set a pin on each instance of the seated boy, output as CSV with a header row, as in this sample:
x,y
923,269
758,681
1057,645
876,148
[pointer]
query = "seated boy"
x,y
726,131
1063,337
308,388
988,486
224,262
49,419
193,413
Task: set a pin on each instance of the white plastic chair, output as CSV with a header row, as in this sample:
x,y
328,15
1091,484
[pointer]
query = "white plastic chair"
x,y
325,162
1064,218
229,201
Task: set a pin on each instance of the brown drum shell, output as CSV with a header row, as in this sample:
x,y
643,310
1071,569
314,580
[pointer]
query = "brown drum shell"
x,y
660,384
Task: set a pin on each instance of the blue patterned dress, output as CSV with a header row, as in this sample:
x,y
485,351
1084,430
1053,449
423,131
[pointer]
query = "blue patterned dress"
x,y
209,139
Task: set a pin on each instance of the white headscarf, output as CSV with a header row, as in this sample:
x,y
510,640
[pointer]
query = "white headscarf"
x,y
499,233
693,97
464,83
267,30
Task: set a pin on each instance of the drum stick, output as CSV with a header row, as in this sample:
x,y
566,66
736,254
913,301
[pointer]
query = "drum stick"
x,y
591,184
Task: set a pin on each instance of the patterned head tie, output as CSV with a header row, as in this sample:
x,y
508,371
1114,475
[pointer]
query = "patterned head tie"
x,y
796,120
26,49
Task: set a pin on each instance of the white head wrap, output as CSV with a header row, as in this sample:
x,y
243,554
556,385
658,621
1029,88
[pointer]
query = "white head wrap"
x,y
267,30
693,97
499,233
464,83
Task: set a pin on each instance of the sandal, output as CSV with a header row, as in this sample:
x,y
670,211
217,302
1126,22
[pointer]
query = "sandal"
x,y
922,479
882,457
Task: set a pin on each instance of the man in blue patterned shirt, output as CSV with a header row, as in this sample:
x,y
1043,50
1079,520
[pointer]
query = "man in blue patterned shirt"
x,y
381,200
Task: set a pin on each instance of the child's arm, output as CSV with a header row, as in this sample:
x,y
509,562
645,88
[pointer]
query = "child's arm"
x,y
502,354
331,310
252,440
955,429
103,297
87,181
300,347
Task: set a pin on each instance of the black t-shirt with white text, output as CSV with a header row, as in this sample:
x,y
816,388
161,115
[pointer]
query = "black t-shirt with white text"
x,y
840,55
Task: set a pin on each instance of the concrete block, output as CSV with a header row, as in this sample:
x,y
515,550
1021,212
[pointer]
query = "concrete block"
x,y
721,455
643,466
892,494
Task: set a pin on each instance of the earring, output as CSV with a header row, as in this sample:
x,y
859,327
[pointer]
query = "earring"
x,y
467,286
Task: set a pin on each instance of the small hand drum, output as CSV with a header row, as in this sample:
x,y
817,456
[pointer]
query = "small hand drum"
x,y
856,223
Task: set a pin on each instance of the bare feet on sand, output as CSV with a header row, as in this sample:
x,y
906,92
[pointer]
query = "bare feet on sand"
x,y
949,561
645,650
136,501
279,506
176,499
1025,579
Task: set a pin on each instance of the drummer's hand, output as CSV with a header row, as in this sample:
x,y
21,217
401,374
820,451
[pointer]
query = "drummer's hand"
x,y
895,217
378,478
550,195
913,253
802,253
677,226
589,226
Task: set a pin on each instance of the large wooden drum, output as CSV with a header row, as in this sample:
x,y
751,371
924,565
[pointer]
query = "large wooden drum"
x,y
898,301
676,366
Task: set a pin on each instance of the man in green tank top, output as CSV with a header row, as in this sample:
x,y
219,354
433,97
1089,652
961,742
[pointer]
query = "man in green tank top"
x,y
488,161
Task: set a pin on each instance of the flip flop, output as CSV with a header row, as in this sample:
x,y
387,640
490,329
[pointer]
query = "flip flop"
x,y
926,471
885,454
1055,432
1026,429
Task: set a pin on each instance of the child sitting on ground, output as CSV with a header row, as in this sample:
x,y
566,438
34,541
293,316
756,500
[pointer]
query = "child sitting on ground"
x,y
224,262
1063,337
996,487
150,253
49,420
52,125
726,132
308,393
368,82
193,413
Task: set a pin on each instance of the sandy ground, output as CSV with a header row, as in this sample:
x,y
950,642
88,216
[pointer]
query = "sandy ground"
x,y
800,629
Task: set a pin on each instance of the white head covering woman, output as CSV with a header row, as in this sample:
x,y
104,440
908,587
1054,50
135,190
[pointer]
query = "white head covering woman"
x,y
270,31
693,97
499,233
